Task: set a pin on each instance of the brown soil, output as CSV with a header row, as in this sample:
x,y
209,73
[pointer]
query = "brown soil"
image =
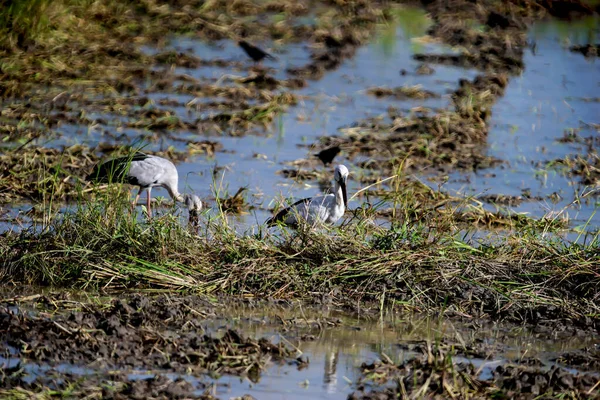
x,y
162,334
166,338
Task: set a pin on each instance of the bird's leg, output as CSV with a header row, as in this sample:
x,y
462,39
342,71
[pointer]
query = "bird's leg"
x,y
148,203
137,197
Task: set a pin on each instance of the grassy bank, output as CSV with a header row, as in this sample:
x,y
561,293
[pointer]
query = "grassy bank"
x,y
425,262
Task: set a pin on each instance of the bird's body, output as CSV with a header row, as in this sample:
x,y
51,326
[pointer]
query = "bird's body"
x,y
322,209
327,155
145,171
255,53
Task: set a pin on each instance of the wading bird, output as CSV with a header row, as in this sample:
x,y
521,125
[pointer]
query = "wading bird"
x,y
146,171
326,209
254,52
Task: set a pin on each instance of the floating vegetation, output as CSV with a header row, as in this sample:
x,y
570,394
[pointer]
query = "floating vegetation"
x,y
205,147
403,92
587,168
424,69
235,204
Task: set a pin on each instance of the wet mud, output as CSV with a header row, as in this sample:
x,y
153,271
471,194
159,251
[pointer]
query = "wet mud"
x,y
169,346
156,336
434,373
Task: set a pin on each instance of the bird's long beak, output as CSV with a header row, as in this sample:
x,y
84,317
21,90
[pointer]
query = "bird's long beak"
x,y
344,194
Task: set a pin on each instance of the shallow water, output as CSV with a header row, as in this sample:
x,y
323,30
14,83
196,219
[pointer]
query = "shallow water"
x,y
537,108
335,353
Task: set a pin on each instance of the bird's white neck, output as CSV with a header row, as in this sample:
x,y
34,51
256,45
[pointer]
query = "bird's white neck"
x,y
174,193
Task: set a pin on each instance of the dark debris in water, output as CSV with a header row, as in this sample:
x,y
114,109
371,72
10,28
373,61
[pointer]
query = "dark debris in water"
x,y
454,138
587,359
403,92
299,174
104,72
506,200
588,50
235,204
435,374
424,69
585,167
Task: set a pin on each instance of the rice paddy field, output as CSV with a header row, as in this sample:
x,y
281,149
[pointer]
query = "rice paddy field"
x,y
466,265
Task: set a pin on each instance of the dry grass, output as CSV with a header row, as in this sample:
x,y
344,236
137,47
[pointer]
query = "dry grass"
x,y
424,262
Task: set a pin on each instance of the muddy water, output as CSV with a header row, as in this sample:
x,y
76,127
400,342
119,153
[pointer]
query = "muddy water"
x,y
335,345
336,353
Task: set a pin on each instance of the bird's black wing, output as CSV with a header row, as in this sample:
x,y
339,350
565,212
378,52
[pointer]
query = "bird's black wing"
x,y
115,170
280,216
327,155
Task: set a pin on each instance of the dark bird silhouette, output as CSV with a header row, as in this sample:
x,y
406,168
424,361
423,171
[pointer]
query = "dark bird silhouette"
x,y
254,52
332,42
327,155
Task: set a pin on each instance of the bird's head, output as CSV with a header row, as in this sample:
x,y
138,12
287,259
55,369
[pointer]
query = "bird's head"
x,y
194,205
341,177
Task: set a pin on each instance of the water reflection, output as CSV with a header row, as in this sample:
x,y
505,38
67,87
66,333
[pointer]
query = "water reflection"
x,y
330,380
530,119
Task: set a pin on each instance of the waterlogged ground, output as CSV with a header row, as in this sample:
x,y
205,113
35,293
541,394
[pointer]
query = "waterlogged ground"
x,y
556,96
547,113
194,348
475,113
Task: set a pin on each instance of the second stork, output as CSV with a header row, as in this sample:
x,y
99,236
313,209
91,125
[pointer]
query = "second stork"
x,y
321,209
